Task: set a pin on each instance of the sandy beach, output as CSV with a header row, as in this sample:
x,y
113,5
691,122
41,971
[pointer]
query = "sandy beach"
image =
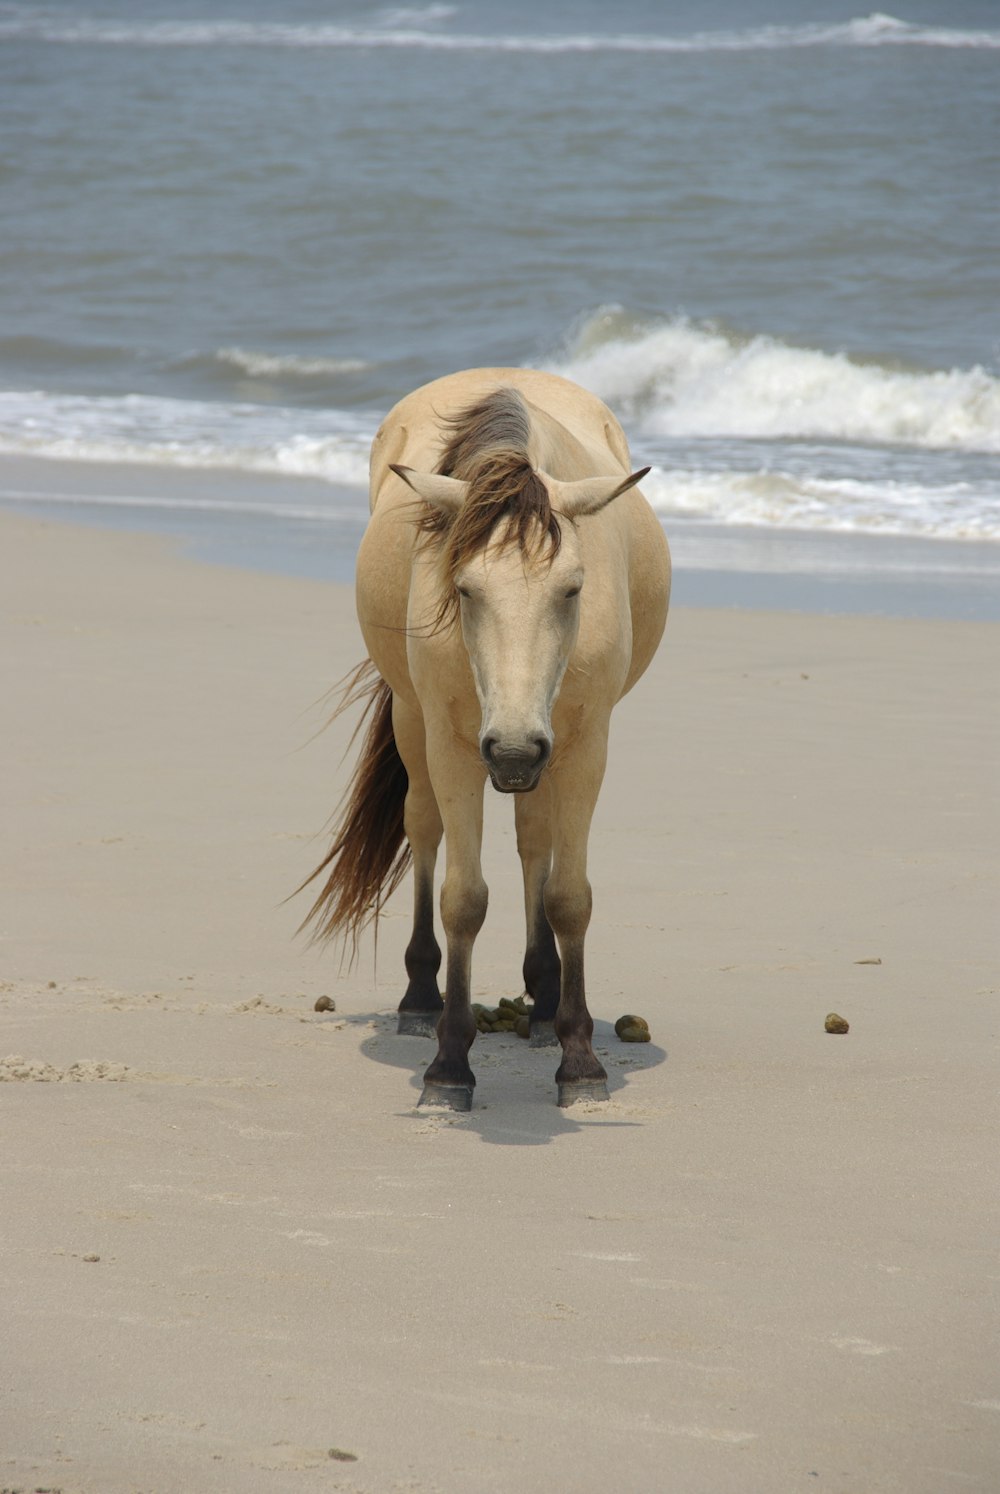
x,y
237,1258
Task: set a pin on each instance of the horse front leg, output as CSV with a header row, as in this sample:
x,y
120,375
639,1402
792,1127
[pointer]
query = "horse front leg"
x,y
458,783
541,969
568,902
421,1005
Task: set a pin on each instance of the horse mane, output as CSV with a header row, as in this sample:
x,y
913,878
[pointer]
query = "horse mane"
x,y
507,502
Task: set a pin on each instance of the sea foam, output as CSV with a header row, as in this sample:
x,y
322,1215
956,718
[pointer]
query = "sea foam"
x,y
738,430
403,28
683,378
258,365
161,432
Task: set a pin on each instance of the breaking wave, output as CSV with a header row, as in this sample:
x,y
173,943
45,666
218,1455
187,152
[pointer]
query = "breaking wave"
x,y
286,366
683,378
401,28
739,430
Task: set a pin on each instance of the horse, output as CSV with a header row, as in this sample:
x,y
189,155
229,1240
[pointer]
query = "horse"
x,y
512,585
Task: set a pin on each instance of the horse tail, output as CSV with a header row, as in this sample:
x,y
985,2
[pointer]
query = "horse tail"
x,y
369,853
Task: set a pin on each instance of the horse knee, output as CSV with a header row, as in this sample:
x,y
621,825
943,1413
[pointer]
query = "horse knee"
x,y
463,907
568,909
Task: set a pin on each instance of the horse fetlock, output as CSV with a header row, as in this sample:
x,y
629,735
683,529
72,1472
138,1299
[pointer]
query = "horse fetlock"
x,y
581,1066
423,958
422,992
450,1071
579,1061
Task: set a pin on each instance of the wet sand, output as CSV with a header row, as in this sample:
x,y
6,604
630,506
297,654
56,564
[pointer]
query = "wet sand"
x,y
232,1244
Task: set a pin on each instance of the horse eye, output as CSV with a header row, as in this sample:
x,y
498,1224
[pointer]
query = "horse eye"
x,y
463,591
574,591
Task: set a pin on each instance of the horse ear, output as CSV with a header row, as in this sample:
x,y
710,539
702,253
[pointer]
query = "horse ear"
x,y
446,494
588,496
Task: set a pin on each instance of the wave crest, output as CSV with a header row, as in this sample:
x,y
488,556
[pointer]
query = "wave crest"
x,y
287,366
400,29
682,378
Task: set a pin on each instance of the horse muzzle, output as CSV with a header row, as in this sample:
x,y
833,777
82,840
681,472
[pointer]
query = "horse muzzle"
x,y
515,769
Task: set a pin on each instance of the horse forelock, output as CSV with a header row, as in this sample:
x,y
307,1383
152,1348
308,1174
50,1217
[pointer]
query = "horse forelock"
x,y
507,503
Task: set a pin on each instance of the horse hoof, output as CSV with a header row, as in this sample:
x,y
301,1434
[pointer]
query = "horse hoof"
x,y
446,1097
417,1024
582,1089
543,1035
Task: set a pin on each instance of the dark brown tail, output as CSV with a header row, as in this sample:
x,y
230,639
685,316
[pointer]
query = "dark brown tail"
x,y
369,855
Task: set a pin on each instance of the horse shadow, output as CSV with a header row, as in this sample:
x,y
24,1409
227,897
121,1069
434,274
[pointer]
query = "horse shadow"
x,y
515,1099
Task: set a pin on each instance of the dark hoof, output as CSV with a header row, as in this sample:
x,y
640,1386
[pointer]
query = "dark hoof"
x,y
417,1024
446,1097
543,1035
582,1089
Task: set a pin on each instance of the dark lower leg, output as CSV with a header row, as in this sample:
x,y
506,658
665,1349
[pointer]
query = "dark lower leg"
x,y
574,1029
456,1031
449,1080
542,969
423,957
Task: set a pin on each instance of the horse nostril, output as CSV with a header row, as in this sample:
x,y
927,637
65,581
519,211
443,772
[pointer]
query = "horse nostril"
x,y
486,747
542,747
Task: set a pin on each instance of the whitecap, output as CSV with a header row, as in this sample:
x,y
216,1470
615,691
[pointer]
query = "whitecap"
x,y
400,29
678,377
287,365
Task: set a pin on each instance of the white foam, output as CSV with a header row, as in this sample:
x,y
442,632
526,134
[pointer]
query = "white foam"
x,y
187,433
284,366
781,500
417,15
678,378
397,30
711,480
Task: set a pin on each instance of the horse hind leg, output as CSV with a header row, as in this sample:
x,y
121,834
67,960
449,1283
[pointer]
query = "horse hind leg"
x,y
421,1006
541,969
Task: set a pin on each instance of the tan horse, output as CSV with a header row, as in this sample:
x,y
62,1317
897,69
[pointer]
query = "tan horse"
x,y
506,609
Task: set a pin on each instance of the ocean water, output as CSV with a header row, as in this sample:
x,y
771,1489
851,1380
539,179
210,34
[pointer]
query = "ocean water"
x,y
767,233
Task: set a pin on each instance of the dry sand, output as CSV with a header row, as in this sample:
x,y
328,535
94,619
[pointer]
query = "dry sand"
x,y
231,1244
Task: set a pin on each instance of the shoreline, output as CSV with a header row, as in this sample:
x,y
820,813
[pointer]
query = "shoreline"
x,y
309,528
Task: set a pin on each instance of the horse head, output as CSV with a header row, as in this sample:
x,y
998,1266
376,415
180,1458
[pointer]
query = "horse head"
x,y
514,576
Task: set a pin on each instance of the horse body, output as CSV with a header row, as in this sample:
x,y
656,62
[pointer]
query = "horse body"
x,y
506,613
